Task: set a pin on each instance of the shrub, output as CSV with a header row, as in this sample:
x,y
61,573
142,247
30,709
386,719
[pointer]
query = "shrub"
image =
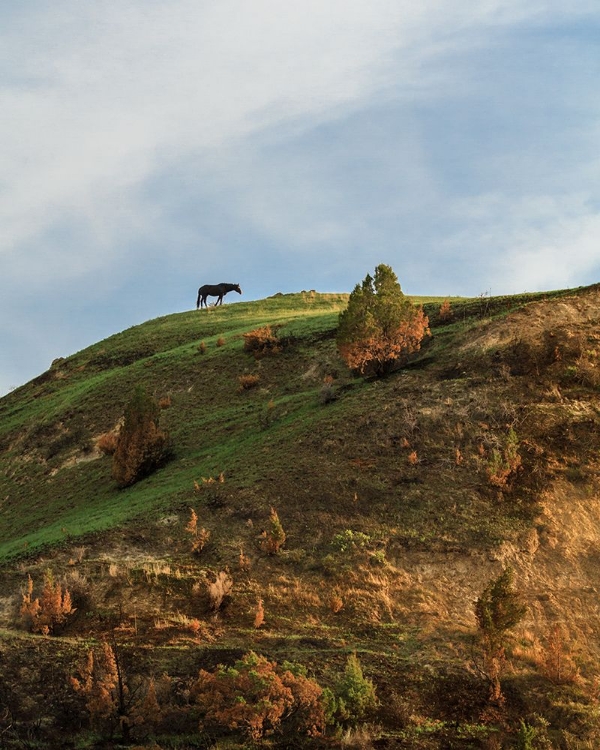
x,y
219,590
200,536
220,341
557,663
202,347
354,695
273,537
504,461
46,613
445,312
259,615
111,700
380,325
142,446
107,443
262,341
248,381
498,610
257,697
165,402
327,394
348,540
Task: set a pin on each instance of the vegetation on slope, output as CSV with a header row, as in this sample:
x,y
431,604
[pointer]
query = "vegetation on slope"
x,y
399,500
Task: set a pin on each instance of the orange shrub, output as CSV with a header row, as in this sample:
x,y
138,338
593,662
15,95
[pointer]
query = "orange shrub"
x,y
200,536
262,341
107,443
445,313
248,381
259,615
256,697
46,613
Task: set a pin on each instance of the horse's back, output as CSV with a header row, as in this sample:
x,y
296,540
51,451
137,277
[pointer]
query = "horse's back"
x,y
211,289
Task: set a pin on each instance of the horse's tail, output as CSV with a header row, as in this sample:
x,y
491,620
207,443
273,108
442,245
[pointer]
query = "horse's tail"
x,y
198,298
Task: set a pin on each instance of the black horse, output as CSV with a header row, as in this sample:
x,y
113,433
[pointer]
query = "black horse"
x,y
215,290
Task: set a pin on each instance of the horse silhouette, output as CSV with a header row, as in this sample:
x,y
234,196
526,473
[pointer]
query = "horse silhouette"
x,y
215,290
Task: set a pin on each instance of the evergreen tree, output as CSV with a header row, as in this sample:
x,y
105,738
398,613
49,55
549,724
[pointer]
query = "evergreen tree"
x,y
141,445
380,325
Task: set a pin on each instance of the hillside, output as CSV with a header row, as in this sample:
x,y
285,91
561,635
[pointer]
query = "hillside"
x,y
400,500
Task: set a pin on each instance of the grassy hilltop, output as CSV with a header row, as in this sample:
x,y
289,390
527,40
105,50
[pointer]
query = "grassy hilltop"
x,y
400,500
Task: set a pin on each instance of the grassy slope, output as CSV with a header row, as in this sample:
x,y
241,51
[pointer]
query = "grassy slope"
x,y
213,427
434,529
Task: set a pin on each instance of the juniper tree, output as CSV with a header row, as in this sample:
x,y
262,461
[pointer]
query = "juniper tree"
x,y
141,445
498,610
380,325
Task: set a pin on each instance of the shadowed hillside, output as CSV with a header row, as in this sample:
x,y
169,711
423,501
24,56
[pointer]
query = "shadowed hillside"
x,y
400,500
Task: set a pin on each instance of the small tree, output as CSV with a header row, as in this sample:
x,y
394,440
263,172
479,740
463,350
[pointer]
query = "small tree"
x,y
498,610
141,445
273,537
354,694
110,699
46,613
380,325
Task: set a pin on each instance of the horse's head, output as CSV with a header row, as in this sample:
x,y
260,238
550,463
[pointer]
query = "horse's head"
x,y
236,288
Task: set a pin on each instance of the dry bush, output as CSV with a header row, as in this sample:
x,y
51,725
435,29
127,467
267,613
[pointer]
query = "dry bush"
x,y
262,341
107,443
244,562
204,481
273,537
413,458
336,603
78,555
445,312
202,347
142,446
164,402
259,615
257,697
247,382
220,341
357,738
219,590
48,612
110,699
200,536
556,661
586,372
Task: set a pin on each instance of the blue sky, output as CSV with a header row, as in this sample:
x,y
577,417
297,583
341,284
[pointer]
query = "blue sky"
x,y
147,148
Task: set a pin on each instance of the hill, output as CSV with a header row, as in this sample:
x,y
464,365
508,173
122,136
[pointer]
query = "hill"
x,y
400,499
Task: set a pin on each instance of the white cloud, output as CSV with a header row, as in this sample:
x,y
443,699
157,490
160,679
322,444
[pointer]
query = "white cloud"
x,y
103,95
133,131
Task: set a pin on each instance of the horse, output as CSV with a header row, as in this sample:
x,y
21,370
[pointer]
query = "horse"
x,y
215,290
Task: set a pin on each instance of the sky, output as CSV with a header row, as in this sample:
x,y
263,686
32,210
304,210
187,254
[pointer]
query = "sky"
x,y
147,148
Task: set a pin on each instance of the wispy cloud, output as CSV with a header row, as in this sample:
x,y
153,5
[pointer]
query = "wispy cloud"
x,y
146,141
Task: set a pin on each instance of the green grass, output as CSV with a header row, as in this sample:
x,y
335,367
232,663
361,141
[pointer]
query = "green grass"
x,y
213,426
